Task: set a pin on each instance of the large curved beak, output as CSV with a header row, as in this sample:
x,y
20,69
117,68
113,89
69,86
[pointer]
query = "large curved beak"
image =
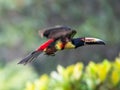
x,y
93,41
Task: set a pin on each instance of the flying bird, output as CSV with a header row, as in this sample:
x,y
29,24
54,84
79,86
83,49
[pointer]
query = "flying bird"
x,y
59,38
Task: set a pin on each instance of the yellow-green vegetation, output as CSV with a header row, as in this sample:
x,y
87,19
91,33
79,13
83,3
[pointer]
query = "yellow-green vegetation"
x,y
94,76
14,76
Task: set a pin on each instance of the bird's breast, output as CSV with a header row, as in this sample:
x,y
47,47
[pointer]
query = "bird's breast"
x,y
60,45
69,45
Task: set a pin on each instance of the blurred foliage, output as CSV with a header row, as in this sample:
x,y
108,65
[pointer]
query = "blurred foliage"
x,y
20,21
95,76
13,76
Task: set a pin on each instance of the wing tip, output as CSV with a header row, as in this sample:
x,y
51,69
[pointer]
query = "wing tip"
x,y
22,62
41,32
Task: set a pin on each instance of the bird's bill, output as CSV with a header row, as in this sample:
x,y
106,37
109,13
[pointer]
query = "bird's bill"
x,y
93,41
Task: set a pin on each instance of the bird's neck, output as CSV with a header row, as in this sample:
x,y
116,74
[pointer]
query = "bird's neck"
x,y
77,42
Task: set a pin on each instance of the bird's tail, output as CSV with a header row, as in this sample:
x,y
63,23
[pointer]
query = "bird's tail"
x,y
31,57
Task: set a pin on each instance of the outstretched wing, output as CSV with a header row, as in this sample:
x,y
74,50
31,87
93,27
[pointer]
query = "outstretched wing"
x,y
58,32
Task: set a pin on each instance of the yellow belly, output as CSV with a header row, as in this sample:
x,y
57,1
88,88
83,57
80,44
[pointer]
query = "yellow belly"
x,y
68,45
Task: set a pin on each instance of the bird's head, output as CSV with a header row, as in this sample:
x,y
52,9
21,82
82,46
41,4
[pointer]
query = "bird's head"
x,y
87,41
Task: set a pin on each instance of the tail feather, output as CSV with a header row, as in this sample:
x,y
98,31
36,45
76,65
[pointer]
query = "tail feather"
x,y
31,57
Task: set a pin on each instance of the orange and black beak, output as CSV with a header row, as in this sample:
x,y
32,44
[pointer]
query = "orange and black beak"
x,y
92,41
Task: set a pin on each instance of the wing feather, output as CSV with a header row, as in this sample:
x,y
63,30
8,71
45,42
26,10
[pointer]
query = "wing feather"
x,y
58,32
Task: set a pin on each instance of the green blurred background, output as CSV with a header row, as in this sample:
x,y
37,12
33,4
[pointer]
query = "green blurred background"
x,y
20,21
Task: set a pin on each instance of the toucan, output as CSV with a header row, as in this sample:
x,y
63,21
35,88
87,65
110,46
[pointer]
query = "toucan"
x,y
59,38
